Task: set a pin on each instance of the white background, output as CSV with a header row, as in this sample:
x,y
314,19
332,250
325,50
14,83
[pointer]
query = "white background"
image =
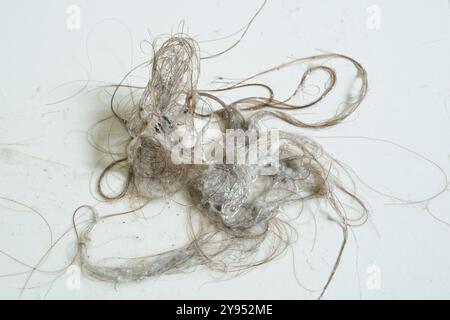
x,y
46,161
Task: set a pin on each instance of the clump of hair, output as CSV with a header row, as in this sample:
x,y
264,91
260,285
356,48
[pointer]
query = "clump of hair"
x,y
238,205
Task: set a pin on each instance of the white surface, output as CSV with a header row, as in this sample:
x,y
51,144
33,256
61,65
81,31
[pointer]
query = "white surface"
x,y
46,161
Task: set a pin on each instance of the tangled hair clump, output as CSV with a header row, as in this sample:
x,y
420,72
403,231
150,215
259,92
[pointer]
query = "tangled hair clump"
x,y
239,203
